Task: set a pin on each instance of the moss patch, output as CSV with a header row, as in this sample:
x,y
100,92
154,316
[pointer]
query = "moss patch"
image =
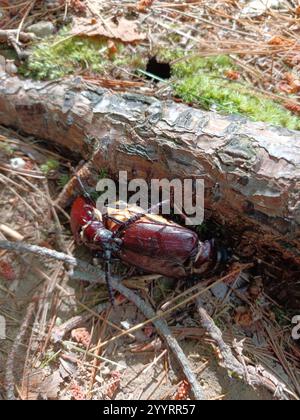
x,y
202,81
197,80
61,55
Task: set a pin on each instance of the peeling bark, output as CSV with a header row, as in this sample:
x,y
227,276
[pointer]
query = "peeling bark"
x,y
251,170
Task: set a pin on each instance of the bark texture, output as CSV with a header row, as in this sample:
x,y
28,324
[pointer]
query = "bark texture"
x,y
251,170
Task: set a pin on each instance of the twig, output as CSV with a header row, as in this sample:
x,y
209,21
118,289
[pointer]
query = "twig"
x,y
11,233
28,10
6,34
9,373
149,313
164,331
255,376
21,248
9,36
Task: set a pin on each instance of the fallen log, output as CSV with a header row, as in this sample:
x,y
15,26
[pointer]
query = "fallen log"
x,y
251,170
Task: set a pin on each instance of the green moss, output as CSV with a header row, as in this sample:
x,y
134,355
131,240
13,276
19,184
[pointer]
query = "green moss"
x,y
50,165
103,173
202,81
62,55
196,80
57,57
7,149
63,180
208,92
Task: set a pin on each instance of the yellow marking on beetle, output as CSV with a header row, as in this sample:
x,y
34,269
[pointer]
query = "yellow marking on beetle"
x,y
123,212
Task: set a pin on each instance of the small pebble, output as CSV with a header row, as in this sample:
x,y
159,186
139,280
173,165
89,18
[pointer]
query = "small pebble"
x,y
2,64
11,68
220,291
2,328
41,29
17,163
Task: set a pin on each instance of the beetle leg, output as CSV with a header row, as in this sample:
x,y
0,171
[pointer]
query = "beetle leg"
x,y
108,277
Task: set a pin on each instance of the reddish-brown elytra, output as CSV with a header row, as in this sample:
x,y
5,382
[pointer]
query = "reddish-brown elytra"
x,y
141,239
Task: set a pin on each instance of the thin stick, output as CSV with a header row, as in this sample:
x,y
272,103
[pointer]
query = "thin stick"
x,y
30,7
9,36
11,233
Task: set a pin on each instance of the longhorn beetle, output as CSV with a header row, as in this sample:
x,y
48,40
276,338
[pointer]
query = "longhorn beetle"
x,y
141,239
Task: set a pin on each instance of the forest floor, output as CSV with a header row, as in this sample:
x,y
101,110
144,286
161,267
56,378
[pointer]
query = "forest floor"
x,y
177,50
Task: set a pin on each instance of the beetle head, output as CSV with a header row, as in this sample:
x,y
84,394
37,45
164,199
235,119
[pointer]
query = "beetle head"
x,y
104,238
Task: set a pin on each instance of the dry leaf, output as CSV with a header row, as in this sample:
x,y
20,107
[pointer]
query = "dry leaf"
x,y
82,336
78,6
77,392
50,386
125,30
292,107
143,5
112,49
66,368
232,75
283,87
114,384
289,84
243,317
7,271
281,41
292,61
183,391
289,77
39,386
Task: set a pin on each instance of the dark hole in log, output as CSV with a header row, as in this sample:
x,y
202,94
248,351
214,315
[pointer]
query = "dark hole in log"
x,y
161,70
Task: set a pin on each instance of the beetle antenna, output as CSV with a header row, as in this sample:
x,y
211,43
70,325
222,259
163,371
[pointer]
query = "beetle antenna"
x,y
156,207
85,193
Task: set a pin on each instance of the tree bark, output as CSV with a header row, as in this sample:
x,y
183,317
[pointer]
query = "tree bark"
x,y
251,170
